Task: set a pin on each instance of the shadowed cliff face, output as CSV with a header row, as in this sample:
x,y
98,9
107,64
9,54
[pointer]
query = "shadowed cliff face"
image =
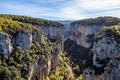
x,y
112,70
77,55
106,56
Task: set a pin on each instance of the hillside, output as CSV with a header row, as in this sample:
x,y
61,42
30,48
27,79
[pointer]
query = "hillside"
x,y
31,20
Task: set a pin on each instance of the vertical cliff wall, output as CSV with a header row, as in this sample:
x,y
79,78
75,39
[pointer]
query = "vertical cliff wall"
x,y
112,70
53,32
82,34
106,56
5,44
82,31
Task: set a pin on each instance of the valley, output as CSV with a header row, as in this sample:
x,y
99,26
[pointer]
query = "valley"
x,y
39,49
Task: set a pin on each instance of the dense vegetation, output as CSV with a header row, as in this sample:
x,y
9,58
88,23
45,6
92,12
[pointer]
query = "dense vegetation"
x,y
10,26
100,21
31,20
17,65
63,71
113,32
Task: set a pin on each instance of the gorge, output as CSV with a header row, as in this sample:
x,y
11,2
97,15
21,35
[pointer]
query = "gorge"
x,y
39,49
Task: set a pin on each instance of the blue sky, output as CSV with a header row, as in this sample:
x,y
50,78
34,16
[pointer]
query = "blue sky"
x,y
61,9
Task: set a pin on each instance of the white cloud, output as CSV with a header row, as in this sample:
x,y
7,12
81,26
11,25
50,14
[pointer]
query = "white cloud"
x,y
99,4
71,12
63,9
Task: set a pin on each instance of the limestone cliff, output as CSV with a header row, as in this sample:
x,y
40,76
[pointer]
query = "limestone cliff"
x,y
51,29
112,70
53,32
23,39
25,50
105,48
5,44
82,34
82,31
106,64
40,70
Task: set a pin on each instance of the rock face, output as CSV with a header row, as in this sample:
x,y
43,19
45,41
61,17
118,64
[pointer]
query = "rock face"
x,y
104,48
82,30
5,44
37,37
55,59
53,32
23,39
106,59
89,74
82,33
112,71
41,69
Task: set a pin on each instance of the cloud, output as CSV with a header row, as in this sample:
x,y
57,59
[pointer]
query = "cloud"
x,y
71,12
99,4
62,9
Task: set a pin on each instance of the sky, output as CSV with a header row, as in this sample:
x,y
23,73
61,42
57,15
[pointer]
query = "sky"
x,y
61,9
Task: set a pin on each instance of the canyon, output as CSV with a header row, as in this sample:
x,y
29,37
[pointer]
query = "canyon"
x,y
59,50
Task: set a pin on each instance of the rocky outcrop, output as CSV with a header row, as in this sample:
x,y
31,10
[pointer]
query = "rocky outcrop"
x,y
23,39
5,44
53,32
41,69
36,36
105,48
112,71
106,58
82,30
82,34
55,59
88,74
